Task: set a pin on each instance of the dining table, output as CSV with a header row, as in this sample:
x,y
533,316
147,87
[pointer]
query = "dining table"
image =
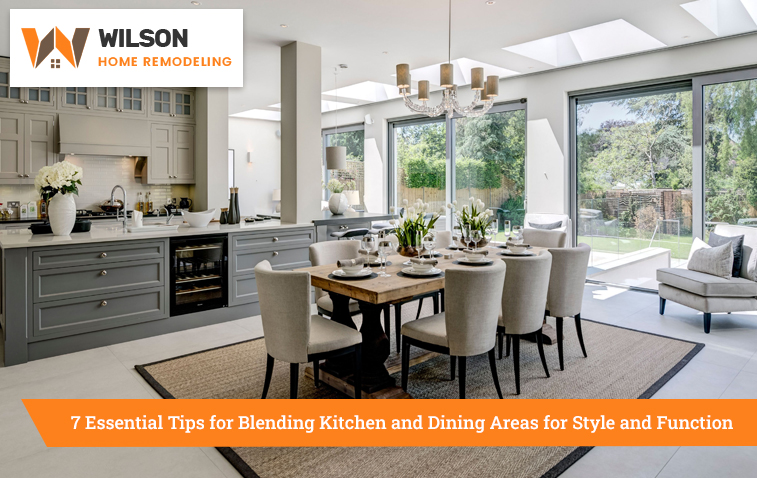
x,y
373,294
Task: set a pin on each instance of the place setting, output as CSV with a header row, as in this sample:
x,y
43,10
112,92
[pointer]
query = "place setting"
x,y
421,268
474,257
353,269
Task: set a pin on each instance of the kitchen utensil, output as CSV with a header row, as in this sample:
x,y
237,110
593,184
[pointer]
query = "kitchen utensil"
x,y
199,219
106,207
185,203
236,206
409,271
233,217
225,215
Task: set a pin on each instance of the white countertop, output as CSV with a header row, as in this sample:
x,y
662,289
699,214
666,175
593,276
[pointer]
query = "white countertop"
x,y
20,238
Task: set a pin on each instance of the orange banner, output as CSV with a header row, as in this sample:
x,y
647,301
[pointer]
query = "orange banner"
x,y
349,423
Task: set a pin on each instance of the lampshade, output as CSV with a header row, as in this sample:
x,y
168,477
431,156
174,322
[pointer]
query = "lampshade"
x,y
276,196
336,157
477,78
446,75
403,75
353,197
492,86
423,90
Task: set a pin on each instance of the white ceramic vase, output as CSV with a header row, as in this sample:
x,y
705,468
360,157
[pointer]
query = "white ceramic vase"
x,y
338,203
62,214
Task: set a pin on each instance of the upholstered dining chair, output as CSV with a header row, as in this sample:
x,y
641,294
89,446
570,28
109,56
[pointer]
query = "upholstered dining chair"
x,y
544,238
329,252
566,290
443,239
523,299
295,336
468,325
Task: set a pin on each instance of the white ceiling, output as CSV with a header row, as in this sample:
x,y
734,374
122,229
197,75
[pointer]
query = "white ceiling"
x,y
357,32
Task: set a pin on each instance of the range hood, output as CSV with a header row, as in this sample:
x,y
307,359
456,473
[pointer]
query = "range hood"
x,y
103,136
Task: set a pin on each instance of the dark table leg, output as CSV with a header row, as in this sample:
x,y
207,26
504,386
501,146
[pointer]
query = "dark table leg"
x,y
375,376
343,365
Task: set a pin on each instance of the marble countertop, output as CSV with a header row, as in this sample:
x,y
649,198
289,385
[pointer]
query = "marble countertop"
x,y
329,218
22,238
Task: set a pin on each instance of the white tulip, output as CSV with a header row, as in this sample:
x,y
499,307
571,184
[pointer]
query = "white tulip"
x,y
411,210
392,221
405,202
454,202
449,205
471,199
392,210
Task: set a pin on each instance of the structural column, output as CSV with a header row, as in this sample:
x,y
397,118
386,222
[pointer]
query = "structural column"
x,y
301,170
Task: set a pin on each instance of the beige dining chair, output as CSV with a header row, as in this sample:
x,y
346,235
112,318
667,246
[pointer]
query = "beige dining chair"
x,y
295,336
468,325
443,239
524,297
544,238
566,290
328,252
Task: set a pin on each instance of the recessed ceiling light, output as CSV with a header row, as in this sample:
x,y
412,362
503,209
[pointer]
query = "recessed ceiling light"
x,y
283,25
685,36
491,2
195,3
384,52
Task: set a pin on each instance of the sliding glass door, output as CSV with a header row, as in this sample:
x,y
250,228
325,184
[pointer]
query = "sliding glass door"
x,y
440,160
352,138
633,203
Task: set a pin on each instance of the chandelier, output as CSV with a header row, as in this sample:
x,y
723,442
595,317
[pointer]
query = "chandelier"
x,y
484,90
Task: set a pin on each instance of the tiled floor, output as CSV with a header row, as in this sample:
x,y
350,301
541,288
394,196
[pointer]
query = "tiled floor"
x,y
726,368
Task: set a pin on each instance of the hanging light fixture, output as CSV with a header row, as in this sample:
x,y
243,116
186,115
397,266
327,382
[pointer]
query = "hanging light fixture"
x,y
336,156
484,91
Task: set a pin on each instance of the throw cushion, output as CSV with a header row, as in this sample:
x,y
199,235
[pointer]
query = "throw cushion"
x,y
738,245
717,261
696,245
550,226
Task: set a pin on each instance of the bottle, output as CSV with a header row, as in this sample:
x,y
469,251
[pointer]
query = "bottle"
x,y
42,209
224,215
236,206
2,212
148,204
232,207
31,210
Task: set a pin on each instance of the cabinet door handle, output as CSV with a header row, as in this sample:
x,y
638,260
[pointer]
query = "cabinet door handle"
x,y
103,303
275,253
89,107
20,175
104,255
26,175
344,227
275,239
103,273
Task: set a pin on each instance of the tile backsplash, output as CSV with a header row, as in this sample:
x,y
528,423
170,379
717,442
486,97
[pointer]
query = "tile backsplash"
x,y
101,173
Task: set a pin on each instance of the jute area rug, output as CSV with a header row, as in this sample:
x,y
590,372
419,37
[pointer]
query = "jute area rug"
x,y
622,363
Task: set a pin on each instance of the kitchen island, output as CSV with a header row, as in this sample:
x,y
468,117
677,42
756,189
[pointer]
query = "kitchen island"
x,y
62,294
331,223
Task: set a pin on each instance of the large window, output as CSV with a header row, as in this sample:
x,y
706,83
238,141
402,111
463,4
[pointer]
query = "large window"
x,y
352,138
634,186
440,160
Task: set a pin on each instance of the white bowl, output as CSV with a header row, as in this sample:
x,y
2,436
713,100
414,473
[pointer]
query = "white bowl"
x,y
518,248
199,219
421,267
473,256
352,270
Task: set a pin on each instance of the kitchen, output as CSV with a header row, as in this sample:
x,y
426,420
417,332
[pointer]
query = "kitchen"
x,y
108,281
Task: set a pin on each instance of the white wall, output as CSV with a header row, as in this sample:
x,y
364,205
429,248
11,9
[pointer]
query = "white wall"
x,y
257,180
547,110
211,150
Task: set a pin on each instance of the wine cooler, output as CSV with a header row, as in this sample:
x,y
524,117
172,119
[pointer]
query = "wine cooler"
x,y
198,274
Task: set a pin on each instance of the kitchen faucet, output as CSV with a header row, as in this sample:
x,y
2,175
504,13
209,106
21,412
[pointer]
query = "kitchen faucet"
x,y
113,201
168,215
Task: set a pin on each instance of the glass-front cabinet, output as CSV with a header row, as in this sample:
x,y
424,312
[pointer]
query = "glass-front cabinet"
x,y
41,96
172,103
75,97
6,92
121,100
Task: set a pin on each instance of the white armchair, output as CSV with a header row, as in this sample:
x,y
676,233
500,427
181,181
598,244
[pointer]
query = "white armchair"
x,y
550,218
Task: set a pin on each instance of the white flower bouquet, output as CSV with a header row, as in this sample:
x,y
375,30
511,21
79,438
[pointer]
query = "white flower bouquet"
x,y
62,177
474,214
412,222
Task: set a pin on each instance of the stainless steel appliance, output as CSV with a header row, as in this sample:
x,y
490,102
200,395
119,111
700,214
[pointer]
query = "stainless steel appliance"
x,y
199,268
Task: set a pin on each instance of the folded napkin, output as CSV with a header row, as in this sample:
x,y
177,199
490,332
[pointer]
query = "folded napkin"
x,y
480,251
431,261
350,262
509,243
369,253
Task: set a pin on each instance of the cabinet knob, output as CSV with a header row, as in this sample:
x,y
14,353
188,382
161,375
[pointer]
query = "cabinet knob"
x,y
103,303
20,175
104,254
275,253
275,239
26,175
89,107
103,273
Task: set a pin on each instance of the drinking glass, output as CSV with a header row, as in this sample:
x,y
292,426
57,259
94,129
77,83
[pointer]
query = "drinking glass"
x,y
367,244
466,235
492,229
429,243
518,234
507,230
476,237
385,248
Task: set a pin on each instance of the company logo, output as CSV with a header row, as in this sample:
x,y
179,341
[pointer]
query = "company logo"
x,y
55,40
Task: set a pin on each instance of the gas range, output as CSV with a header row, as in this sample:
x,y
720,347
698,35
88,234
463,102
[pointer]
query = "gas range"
x,y
88,213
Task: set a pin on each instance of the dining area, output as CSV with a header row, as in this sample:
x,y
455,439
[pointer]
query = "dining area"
x,y
489,297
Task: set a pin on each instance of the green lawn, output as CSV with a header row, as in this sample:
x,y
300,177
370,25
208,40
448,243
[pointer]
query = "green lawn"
x,y
624,245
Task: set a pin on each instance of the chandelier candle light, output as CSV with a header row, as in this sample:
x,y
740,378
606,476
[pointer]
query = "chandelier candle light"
x,y
484,91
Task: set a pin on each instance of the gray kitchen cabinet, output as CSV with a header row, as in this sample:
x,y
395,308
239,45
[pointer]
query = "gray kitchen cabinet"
x,y
76,97
172,160
97,255
172,103
27,143
120,100
36,97
286,250
8,94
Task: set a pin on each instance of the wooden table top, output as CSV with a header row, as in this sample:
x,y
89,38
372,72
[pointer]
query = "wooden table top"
x,y
387,290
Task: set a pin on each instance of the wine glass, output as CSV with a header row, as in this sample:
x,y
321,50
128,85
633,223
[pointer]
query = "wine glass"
x,y
466,234
491,230
476,237
507,230
518,234
367,244
429,243
385,248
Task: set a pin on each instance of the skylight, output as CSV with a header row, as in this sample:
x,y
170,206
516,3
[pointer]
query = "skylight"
x,y
326,106
259,114
596,42
724,17
462,67
368,91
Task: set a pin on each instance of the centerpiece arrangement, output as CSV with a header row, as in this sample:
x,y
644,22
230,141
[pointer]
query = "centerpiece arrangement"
x,y
57,185
413,225
338,202
474,215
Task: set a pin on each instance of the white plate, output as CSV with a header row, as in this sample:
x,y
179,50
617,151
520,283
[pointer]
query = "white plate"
x,y
363,272
411,272
508,252
463,260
